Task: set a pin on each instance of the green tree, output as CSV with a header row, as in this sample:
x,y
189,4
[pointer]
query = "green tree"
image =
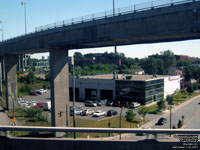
x,y
130,115
161,105
170,99
30,78
33,112
190,89
143,111
78,55
169,61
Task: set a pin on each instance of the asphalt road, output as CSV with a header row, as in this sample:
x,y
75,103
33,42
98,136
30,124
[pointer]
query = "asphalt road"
x,y
191,113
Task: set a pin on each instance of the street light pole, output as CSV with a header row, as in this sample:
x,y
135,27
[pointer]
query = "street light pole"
x,y
74,115
120,122
24,4
115,47
113,7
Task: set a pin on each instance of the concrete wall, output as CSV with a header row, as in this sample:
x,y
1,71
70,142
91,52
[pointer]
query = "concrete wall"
x,y
42,144
171,84
98,84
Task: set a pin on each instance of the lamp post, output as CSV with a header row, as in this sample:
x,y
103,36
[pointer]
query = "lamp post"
x,y
115,47
24,4
170,99
120,122
113,7
2,31
74,115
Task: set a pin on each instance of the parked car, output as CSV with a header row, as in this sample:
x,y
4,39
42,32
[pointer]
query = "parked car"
x,y
134,105
116,103
38,92
33,103
47,105
28,105
99,113
34,93
98,103
124,104
161,121
112,113
87,112
109,103
78,110
20,100
39,105
43,91
90,104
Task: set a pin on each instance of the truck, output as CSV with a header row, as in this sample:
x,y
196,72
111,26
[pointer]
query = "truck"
x,y
47,106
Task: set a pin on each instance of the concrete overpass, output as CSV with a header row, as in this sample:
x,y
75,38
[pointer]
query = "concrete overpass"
x,y
157,23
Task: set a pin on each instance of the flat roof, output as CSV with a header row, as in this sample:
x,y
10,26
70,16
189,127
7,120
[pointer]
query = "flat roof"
x,y
133,77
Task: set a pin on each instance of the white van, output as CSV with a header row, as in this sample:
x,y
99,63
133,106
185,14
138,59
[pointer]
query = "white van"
x,y
47,106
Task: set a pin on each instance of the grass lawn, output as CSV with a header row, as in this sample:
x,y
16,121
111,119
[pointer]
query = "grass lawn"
x,y
114,123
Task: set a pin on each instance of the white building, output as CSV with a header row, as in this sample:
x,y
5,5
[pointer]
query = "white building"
x,y
140,88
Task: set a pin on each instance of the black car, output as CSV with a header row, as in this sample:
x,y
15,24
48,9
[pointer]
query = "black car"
x,y
161,121
112,113
109,103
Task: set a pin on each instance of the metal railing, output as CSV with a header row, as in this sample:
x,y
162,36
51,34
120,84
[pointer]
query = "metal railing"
x,y
154,4
119,11
99,130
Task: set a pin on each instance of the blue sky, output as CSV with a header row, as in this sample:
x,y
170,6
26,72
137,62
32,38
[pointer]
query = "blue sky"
x,y
41,12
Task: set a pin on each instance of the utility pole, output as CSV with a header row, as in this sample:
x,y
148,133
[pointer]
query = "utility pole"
x,y
115,47
74,115
24,4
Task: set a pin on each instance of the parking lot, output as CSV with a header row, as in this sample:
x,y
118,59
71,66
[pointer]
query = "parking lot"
x,y
46,97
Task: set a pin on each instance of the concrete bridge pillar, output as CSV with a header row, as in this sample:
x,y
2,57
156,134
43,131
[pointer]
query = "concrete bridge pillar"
x,y
59,87
11,61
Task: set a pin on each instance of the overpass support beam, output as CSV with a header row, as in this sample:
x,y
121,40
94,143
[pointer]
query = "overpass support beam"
x,y
59,87
11,61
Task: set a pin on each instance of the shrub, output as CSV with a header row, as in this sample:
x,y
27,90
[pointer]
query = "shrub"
x,y
25,89
130,115
190,89
33,112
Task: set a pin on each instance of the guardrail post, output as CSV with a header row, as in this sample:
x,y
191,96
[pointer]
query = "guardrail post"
x,y
63,23
72,21
134,8
105,15
82,19
119,11
171,2
92,16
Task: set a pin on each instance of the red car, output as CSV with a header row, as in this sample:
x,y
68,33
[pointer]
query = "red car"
x,y
39,105
117,103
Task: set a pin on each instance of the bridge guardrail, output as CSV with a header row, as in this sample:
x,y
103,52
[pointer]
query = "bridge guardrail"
x,y
99,130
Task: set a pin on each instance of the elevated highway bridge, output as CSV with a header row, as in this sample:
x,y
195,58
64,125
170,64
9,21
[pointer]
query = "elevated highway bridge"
x,y
170,21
